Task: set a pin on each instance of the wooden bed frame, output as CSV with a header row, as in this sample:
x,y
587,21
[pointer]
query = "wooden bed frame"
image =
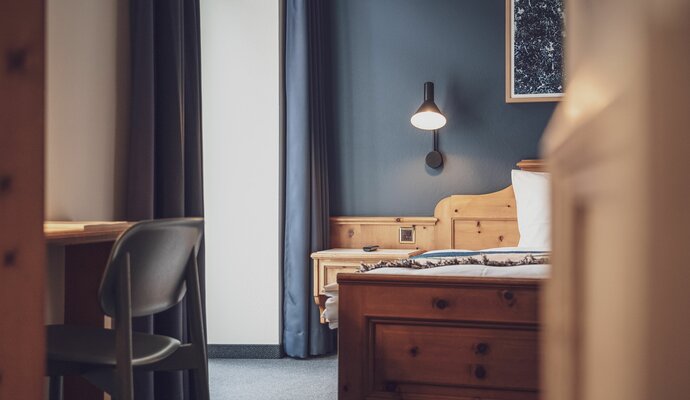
x,y
439,337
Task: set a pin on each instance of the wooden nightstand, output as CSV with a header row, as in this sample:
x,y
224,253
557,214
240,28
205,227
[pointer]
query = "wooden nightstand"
x,y
329,263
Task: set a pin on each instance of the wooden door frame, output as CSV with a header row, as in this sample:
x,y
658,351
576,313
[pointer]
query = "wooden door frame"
x,y
22,248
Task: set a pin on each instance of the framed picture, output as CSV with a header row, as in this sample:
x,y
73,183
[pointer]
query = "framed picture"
x,y
534,50
406,234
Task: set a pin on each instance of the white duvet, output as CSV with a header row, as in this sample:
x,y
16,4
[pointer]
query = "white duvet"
x,y
537,271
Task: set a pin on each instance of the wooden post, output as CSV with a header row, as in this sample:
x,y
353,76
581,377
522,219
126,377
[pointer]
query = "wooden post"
x,y
22,249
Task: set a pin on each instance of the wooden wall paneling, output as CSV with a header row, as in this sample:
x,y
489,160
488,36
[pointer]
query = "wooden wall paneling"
x,y
22,249
469,222
356,232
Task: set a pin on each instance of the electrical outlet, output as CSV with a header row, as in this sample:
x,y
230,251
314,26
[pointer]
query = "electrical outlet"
x,y
406,234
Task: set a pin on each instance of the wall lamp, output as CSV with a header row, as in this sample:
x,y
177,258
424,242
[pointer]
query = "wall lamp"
x,y
429,118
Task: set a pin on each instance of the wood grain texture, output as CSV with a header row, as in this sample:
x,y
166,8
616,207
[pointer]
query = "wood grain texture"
x,y
412,336
469,222
477,222
394,221
359,254
22,252
357,232
416,337
76,232
488,233
328,264
406,351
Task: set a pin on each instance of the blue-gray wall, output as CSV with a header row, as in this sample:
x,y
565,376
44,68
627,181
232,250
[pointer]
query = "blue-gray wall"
x,y
382,53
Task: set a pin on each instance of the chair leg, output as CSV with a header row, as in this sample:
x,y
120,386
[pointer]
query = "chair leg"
x,y
200,378
123,333
196,324
55,387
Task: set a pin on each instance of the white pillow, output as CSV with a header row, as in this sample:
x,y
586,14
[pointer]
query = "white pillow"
x,y
533,208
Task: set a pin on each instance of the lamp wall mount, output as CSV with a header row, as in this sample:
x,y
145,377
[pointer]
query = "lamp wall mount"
x,y
434,159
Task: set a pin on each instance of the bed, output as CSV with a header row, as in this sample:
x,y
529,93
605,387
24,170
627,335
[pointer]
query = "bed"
x,y
448,332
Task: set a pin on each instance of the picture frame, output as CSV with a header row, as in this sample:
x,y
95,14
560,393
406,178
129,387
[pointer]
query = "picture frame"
x,y
536,69
406,234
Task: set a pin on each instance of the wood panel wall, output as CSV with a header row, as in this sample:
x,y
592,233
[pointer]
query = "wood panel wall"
x,y
22,270
356,232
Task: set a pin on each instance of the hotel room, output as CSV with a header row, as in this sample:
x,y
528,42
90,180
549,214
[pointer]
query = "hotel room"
x,y
344,199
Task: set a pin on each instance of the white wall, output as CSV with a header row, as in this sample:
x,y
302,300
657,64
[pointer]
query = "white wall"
x,y
86,108
87,84
240,59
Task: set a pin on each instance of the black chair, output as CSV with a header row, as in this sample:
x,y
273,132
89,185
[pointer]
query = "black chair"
x,y
151,267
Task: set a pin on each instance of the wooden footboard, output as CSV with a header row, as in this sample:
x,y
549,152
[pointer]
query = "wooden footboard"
x,y
434,337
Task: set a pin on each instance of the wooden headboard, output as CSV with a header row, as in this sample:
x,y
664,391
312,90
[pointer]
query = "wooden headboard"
x,y
460,222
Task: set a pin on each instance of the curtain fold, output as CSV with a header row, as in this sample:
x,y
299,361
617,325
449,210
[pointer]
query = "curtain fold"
x,y
164,179
306,175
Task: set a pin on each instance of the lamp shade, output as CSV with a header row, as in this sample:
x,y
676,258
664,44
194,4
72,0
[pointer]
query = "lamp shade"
x,y
428,116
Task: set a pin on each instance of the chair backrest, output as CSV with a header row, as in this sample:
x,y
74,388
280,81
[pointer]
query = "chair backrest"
x,y
159,252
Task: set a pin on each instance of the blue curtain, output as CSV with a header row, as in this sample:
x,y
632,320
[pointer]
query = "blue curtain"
x,y
165,177
306,175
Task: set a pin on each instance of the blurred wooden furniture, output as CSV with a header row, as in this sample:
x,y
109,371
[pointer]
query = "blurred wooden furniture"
x,y
429,337
616,323
22,254
329,263
87,248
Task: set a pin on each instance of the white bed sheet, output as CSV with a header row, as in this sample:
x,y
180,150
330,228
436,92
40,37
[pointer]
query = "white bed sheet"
x,y
537,271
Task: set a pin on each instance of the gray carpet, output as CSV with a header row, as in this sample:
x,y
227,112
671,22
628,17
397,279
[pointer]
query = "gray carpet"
x,y
283,379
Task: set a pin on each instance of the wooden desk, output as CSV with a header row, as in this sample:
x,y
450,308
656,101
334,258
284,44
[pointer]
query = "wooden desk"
x,y
80,232
87,248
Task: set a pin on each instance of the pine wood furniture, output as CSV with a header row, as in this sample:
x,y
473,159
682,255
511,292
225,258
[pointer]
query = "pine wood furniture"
x,y
433,337
357,232
329,263
438,337
460,221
